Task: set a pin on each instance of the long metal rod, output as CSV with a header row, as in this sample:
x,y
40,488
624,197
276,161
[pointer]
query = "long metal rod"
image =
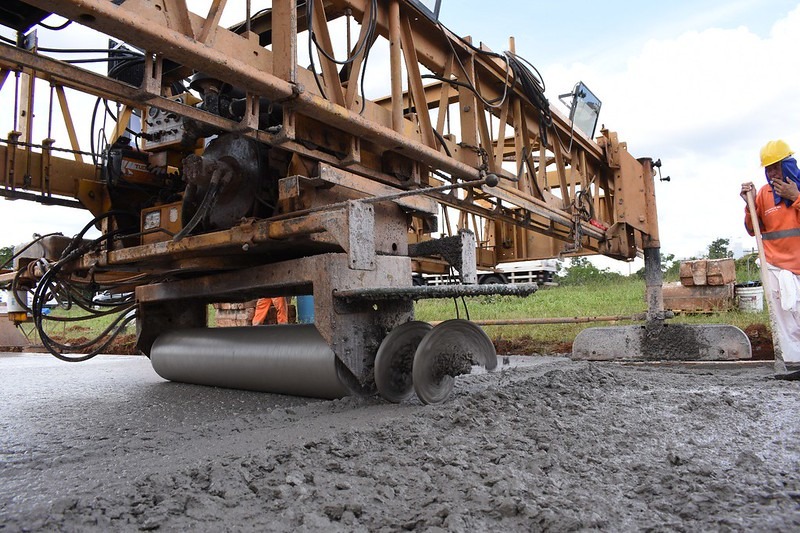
x,y
554,320
780,366
47,200
379,199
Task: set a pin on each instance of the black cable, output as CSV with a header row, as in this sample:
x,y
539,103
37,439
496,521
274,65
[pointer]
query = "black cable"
x,y
467,43
91,127
373,17
123,53
364,77
533,88
311,52
78,238
457,83
497,102
92,60
14,283
57,349
242,25
443,176
314,70
364,47
43,289
116,120
50,287
208,202
73,295
5,39
54,28
440,137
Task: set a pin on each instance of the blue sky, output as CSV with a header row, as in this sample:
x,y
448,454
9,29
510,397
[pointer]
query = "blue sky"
x,y
581,30
701,85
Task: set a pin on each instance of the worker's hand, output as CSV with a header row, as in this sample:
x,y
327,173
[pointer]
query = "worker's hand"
x,y
746,188
786,189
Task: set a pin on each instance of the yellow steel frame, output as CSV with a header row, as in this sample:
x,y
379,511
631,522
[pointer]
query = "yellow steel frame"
x,y
395,142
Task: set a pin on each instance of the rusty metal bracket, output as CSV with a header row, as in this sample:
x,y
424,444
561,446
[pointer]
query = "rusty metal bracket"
x,y
459,251
153,70
360,236
352,226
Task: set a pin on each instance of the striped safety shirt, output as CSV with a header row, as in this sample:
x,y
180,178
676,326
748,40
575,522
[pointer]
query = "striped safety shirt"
x,y
780,230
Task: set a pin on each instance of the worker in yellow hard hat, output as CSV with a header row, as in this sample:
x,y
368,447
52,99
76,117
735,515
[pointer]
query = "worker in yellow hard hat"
x,y
778,208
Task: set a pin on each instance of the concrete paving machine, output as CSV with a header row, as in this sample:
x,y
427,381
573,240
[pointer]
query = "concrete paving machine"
x,y
221,170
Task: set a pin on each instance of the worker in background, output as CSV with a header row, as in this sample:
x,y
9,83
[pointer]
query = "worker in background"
x,y
778,209
262,308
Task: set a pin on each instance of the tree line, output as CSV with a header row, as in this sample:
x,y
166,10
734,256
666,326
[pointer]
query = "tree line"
x,y
581,271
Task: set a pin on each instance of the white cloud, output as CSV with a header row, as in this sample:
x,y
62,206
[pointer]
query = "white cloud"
x,y
21,219
704,102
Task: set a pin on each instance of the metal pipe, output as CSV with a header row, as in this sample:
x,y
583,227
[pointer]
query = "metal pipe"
x,y
286,359
654,281
552,320
780,365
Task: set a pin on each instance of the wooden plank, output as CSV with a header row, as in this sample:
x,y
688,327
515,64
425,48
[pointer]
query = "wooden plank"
x,y
720,271
693,273
698,298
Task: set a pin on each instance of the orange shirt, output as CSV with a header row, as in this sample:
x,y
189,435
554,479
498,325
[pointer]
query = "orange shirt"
x,y
780,227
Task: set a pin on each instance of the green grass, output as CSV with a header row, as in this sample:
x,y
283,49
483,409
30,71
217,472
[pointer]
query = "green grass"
x,y
620,297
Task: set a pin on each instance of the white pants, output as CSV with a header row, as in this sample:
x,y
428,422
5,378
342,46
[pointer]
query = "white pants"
x,y
783,296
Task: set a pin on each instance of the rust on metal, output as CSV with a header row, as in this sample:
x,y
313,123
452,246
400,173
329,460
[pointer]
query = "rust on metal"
x,y
254,176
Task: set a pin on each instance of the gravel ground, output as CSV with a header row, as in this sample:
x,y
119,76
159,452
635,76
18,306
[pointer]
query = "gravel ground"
x,y
549,445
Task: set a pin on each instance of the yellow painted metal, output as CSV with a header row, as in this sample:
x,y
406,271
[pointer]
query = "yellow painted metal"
x,y
395,143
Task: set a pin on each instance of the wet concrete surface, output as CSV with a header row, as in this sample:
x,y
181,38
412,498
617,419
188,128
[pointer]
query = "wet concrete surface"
x,y
72,430
543,444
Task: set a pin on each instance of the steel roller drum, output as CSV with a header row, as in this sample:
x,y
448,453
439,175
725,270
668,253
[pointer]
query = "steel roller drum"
x,y
449,349
395,359
286,359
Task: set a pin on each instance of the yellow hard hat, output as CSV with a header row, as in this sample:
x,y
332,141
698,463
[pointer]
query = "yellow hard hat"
x,y
774,151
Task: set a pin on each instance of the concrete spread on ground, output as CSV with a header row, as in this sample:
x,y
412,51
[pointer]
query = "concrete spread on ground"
x,y
542,444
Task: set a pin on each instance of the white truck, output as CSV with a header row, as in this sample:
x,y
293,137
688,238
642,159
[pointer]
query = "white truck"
x,y
542,272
